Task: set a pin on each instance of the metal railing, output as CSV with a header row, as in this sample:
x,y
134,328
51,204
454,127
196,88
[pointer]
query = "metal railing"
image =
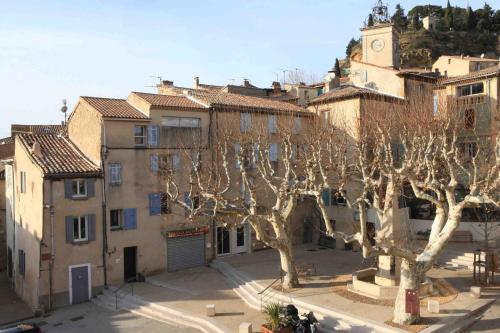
x,y
128,284
266,294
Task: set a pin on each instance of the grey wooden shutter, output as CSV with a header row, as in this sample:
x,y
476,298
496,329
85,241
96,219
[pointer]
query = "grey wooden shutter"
x,y
90,187
68,188
91,224
69,229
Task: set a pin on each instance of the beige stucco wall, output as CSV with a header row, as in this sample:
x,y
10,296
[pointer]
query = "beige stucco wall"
x,y
384,80
29,225
343,114
3,246
450,66
389,55
84,129
66,255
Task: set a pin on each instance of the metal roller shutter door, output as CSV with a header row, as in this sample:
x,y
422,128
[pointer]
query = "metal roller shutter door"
x,y
185,252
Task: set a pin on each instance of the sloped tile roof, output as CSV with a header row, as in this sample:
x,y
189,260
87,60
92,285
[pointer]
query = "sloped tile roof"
x,y
6,141
59,157
484,73
169,101
114,108
347,92
248,103
36,129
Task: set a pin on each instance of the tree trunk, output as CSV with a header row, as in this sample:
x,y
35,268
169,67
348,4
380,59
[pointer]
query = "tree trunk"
x,y
290,278
410,279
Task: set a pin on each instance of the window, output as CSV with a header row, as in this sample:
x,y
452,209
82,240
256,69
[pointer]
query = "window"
x,y
115,173
469,118
306,96
116,219
478,66
470,89
140,135
164,209
155,166
272,123
79,188
273,152
237,150
449,61
176,161
80,229
21,262
325,196
158,203
187,122
22,181
470,150
297,124
240,236
245,122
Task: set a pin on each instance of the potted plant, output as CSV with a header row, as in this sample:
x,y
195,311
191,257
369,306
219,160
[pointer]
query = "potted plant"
x,y
274,318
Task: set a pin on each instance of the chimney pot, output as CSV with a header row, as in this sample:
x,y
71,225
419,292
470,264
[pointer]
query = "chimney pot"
x,y
36,149
167,83
276,87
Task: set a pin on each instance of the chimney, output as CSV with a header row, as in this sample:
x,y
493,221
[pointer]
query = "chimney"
x,y
246,83
276,87
331,81
36,149
196,82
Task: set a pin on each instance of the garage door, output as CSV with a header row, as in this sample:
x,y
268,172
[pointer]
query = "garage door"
x,y
185,252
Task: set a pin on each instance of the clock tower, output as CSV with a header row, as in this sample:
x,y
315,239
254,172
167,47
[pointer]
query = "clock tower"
x,y
381,45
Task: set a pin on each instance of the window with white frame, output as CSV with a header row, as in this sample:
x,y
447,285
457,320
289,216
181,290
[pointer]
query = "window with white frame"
x,y
79,187
245,122
115,173
272,123
188,122
139,135
22,181
471,89
80,229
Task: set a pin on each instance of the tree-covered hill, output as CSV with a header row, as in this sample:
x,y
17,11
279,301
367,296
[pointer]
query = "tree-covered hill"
x,y
458,31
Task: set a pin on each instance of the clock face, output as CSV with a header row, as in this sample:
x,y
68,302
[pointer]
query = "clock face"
x,y
378,45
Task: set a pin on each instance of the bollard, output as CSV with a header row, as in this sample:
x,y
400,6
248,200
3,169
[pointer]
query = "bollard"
x,y
475,292
432,306
245,328
211,310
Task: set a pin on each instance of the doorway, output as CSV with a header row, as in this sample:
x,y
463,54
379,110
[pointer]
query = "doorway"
x,y
130,263
223,241
79,283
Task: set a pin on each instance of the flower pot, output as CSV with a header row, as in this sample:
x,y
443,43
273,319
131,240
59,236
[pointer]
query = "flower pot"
x,y
264,329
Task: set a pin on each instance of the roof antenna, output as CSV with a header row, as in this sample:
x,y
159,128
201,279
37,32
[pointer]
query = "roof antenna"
x,y
64,109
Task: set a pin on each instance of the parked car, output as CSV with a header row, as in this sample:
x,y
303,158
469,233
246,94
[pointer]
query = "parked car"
x,y
22,328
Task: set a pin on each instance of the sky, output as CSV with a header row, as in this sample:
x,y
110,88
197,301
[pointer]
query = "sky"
x,y
54,50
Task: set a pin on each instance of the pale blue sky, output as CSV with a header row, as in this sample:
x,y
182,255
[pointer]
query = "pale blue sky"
x,y
50,50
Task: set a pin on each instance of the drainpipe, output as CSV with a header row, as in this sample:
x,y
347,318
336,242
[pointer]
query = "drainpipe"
x,y
104,214
52,245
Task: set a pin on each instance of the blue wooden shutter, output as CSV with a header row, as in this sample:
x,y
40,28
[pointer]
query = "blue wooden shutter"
x,y
326,197
153,135
154,163
129,218
91,226
68,188
154,204
90,187
69,229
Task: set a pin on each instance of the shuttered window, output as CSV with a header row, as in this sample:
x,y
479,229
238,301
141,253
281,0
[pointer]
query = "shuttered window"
x,y
326,197
153,135
273,152
80,229
115,174
154,204
245,122
79,188
155,167
272,123
129,218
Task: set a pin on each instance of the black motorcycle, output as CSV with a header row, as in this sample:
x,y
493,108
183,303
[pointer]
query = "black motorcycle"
x,y
307,325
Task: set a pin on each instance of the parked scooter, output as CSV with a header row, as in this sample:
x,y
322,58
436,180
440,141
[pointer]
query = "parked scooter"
x,y
307,325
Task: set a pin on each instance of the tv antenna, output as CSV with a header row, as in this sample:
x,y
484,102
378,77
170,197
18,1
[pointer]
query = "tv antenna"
x,y
64,110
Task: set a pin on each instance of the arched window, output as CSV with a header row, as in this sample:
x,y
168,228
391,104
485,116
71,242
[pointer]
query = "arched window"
x,y
470,118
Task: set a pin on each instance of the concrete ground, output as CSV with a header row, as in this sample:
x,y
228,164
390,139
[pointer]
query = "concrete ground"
x,y
12,308
490,321
263,266
88,317
192,289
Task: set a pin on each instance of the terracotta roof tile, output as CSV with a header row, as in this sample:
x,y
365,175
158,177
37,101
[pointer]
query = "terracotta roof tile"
x,y
484,73
114,108
250,103
36,129
6,141
59,157
169,101
347,92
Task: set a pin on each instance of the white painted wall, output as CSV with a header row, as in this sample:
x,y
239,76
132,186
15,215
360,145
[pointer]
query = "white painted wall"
x,y
476,228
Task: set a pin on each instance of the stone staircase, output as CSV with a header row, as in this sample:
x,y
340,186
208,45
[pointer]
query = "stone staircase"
x,y
456,258
251,292
135,304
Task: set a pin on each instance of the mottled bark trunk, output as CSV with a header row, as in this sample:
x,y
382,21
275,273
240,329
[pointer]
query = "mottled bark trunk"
x,y
290,278
410,279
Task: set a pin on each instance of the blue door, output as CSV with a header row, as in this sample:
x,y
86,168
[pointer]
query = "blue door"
x,y
80,284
